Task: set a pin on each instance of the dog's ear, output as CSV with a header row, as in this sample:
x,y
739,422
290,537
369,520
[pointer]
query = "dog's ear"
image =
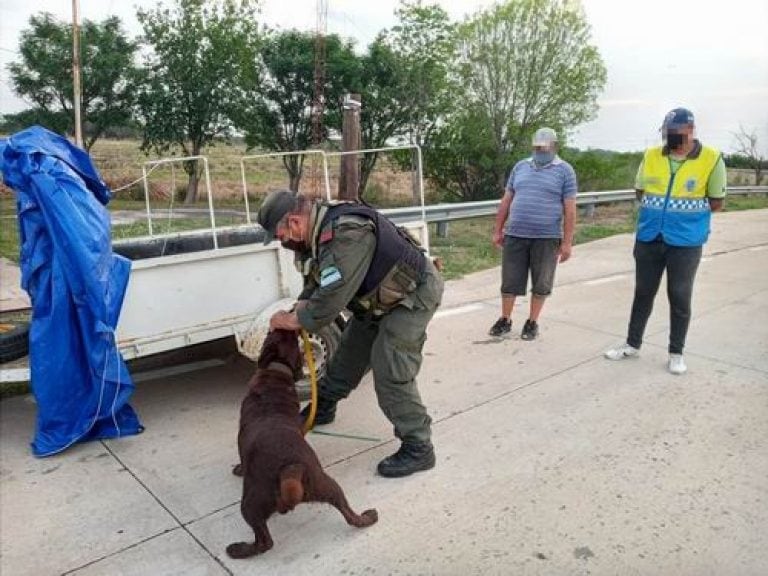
x,y
270,349
296,347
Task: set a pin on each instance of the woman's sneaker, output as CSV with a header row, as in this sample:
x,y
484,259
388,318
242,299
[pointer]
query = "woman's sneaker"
x,y
501,327
621,352
677,364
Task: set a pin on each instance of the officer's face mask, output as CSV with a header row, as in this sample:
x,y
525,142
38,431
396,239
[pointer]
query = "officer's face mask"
x,y
288,237
675,140
294,245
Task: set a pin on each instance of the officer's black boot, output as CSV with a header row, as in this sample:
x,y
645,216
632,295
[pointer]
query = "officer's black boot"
x,y
411,457
325,414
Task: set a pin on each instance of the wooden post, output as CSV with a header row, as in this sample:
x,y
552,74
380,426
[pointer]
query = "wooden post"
x,y
349,178
76,71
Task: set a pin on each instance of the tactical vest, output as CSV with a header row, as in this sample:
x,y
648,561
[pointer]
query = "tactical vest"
x,y
397,265
675,206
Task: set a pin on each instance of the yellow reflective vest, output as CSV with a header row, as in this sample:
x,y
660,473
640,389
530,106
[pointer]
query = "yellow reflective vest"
x,y
675,206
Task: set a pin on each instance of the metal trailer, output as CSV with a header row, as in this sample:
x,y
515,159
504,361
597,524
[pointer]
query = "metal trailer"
x,y
193,287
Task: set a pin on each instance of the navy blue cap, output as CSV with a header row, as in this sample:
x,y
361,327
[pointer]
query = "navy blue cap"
x,y
677,118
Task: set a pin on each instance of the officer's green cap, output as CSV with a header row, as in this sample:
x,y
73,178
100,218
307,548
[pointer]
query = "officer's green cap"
x,y
275,206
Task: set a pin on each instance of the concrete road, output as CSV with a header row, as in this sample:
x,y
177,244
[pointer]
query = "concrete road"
x,y
551,460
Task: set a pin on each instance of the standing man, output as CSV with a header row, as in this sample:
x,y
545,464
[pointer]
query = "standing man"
x,y
535,224
679,185
354,258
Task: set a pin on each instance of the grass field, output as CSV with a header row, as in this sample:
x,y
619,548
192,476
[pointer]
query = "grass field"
x,y
466,249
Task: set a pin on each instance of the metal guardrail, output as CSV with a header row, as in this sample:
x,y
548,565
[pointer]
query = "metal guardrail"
x,y
463,210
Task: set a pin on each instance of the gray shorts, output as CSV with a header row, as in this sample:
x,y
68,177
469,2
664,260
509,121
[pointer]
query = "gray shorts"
x,y
521,255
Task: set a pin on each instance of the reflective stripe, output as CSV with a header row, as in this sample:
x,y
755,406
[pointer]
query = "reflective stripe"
x,y
675,206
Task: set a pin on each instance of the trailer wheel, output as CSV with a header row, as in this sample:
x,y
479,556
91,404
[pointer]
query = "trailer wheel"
x,y
324,343
14,340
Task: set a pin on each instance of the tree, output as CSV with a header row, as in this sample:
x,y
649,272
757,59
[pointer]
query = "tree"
x,y
603,169
201,51
404,83
424,42
525,64
44,75
55,121
274,110
462,159
747,146
382,83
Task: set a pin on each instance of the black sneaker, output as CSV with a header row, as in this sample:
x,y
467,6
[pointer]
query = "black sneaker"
x,y
411,457
530,330
325,413
501,327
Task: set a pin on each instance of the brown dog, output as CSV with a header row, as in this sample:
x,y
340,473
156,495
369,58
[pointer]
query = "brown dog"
x,y
279,468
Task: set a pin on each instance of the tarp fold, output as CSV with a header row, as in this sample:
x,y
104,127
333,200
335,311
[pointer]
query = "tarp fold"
x,y
76,286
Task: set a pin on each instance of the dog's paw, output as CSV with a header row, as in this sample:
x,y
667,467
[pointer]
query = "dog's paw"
x,y
371,516
237,470
241,550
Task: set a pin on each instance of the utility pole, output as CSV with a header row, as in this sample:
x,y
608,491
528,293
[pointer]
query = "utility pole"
x,y
318,96
349,179
76,70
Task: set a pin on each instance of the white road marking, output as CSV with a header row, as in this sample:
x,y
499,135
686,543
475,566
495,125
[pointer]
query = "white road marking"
x,y
605,280
458,310
14,375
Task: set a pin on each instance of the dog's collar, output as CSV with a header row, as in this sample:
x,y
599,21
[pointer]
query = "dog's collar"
x,y
279,367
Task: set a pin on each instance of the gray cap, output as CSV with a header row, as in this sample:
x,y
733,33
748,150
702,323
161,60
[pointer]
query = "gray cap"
x,y
274,208
544,137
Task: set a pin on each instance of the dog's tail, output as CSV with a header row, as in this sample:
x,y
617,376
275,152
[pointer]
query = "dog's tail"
x,y
291,486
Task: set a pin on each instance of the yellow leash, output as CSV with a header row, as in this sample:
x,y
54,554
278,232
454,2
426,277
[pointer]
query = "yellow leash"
x,y
310,359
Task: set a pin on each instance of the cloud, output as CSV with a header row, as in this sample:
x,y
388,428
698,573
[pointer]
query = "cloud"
x,y
625,103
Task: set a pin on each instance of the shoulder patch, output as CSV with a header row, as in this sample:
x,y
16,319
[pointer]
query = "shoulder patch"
x,y
326,235
329,275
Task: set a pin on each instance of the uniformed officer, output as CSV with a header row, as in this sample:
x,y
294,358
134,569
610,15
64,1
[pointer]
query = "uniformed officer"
x,y
353,257
679,185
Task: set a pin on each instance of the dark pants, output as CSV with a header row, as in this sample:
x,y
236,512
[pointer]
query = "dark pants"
x,y
391,347
651,260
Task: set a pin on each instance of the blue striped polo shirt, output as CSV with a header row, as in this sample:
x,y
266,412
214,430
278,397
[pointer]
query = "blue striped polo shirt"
x,y
537,208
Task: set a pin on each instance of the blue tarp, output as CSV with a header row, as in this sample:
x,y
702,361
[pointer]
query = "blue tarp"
x,y
76,285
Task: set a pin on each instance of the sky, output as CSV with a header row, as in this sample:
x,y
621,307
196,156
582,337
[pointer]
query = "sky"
x,y
710,57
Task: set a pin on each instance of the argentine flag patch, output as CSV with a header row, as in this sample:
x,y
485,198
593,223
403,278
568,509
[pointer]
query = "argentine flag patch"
x,y
329,275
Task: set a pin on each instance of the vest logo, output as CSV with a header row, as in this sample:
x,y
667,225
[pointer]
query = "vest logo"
x,y
690,184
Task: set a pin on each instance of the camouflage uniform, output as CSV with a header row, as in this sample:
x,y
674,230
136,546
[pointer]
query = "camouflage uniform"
x,y
386,338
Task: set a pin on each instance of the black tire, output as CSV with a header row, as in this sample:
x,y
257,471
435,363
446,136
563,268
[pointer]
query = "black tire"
x,y
14,340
